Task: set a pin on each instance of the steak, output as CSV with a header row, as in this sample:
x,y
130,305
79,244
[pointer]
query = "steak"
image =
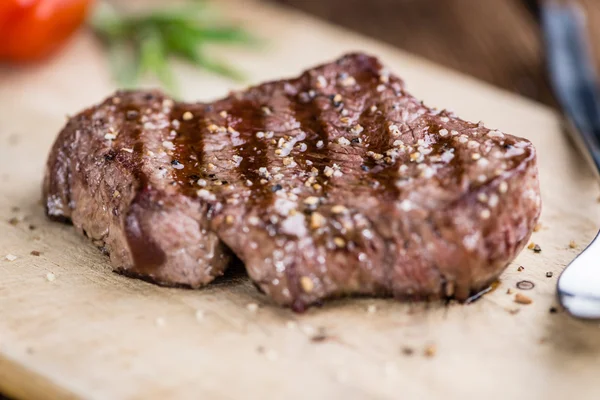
x,y
335,183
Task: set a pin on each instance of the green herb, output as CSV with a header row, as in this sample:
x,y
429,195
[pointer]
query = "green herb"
x,y
142,44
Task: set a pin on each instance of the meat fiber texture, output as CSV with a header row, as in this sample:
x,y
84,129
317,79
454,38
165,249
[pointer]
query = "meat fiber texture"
x,y
335,183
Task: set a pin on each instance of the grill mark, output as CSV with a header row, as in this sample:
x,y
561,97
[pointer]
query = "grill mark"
x,y
138,154
385,175
131,162
310,119
189,142
299,157
245,117
311,114
294,133
376,137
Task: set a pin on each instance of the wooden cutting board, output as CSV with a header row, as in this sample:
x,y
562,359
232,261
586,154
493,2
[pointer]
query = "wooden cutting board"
x,y
93,334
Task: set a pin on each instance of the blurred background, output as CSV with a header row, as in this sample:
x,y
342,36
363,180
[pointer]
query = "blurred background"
x,y
498,41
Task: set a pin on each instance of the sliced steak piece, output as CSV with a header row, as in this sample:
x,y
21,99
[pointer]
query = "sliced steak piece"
x,y
111,173
337,182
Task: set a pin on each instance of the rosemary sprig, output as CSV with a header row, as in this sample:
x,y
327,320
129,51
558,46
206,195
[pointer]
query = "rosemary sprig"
x,y
142,44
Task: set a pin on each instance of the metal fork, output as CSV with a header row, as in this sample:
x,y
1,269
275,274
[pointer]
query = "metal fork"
x,y
574,81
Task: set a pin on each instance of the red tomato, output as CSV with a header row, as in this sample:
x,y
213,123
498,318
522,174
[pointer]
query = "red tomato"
x,y
34,29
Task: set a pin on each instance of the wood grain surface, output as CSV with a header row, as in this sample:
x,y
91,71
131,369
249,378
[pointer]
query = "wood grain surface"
x,y
498,41
92,334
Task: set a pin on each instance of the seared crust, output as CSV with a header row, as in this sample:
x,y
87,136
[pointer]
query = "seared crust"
x,y
337,182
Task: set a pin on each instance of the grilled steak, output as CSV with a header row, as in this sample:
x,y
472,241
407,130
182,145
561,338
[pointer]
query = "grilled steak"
x,y
337,182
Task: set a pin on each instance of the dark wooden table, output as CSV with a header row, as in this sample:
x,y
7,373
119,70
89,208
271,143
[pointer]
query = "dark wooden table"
x,y
497,41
